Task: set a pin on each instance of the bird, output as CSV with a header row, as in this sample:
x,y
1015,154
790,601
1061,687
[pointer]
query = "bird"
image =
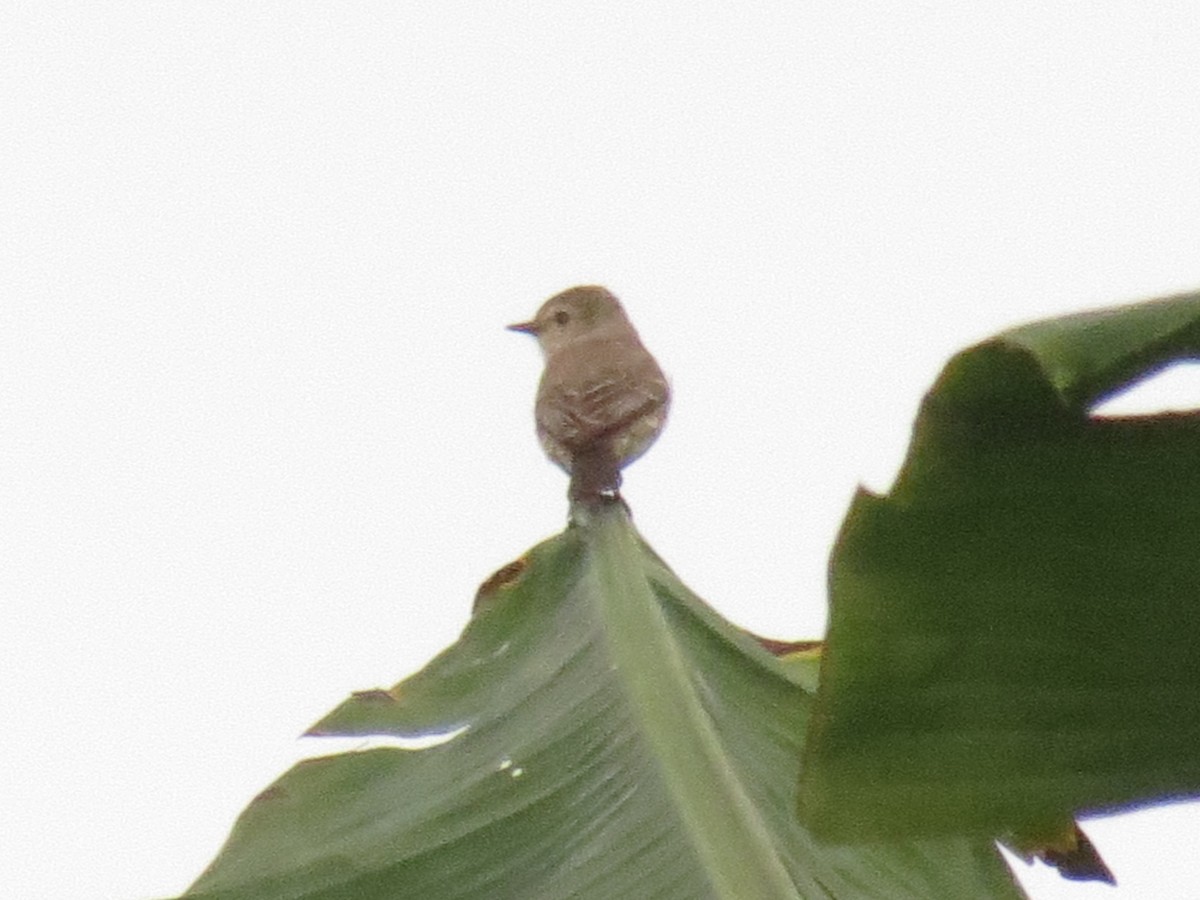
x,y
602,399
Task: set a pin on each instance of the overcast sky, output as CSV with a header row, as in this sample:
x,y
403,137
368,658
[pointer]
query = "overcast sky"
x,y
264,433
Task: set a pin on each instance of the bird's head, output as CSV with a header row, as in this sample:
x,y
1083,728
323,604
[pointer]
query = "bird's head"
x,y
580,313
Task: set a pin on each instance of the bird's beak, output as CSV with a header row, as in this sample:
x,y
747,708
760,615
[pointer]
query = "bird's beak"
x,y
524,328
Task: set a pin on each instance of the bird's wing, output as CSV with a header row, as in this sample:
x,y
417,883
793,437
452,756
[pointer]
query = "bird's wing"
x,y
600,400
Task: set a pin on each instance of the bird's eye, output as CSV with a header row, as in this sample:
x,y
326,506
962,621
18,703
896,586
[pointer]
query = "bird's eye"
x,y
562,317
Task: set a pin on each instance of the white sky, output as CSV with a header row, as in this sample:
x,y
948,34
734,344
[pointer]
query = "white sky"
x,y
264,433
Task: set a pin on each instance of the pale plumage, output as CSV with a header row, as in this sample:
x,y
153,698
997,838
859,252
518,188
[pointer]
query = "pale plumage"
x,y
602,399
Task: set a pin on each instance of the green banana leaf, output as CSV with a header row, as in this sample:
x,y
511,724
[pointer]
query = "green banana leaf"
x,y
1015,628
604,734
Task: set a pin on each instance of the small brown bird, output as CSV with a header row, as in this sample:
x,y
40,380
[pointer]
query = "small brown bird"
x,y
602,400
